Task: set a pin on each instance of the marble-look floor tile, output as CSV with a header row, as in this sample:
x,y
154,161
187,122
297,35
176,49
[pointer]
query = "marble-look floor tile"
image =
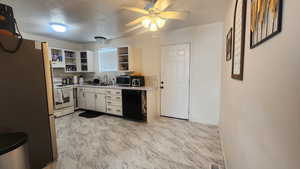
x,y
113,143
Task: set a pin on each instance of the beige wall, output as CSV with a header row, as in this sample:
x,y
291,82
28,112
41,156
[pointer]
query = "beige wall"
x,y
53,42
205,68
260,116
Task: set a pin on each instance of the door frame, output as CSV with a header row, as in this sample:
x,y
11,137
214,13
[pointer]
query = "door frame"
x,y
189,77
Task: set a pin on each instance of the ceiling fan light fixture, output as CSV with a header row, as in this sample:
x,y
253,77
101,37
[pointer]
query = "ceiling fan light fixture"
x,y
160,22
153,27
146,22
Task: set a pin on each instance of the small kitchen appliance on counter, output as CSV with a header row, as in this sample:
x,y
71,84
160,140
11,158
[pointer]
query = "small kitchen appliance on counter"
x,y
123,80
81,80
137,81
75,79
127,80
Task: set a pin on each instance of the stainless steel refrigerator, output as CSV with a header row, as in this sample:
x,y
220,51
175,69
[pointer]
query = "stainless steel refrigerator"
x,y
26,98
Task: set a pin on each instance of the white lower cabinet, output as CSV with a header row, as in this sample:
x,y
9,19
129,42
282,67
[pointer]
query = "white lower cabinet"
x,y
90,101
81,98
114,102
101,100
115,110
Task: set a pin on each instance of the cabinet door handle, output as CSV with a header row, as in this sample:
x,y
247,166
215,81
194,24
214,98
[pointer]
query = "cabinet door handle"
x,y
96,96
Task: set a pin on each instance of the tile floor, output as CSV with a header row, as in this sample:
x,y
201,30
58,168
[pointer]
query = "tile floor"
x,y
110,142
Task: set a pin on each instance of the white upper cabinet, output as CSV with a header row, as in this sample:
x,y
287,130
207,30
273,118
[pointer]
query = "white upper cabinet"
x,y
71,61
57,58
86,61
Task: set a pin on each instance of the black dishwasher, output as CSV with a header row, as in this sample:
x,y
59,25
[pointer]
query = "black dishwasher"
x,y
133,105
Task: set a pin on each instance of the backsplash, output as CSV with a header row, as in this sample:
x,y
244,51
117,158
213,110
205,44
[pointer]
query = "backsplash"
x,y
59,74
111,76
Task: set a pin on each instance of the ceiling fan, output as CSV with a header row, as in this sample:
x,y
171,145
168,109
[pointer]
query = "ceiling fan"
x,y
155,14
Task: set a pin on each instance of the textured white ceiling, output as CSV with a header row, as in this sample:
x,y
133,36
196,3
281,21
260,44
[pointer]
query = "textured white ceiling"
x,y
89,18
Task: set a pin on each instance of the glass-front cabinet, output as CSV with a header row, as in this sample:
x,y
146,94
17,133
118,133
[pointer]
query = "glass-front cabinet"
x,y
72,61
71,58
57,58
86,63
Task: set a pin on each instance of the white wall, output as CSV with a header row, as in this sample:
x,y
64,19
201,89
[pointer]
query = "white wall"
x,y
260,115
53,42
206,52
205,77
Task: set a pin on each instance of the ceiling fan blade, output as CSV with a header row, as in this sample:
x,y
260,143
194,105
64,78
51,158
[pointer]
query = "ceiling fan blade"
x,y
162,4
136,21
138,10
133,28
173,15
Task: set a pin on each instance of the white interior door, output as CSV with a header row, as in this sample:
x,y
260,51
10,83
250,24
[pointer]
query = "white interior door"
x,y
175,76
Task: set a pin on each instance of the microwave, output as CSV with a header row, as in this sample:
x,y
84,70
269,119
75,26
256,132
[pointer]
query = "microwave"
x,y
134,81
123,80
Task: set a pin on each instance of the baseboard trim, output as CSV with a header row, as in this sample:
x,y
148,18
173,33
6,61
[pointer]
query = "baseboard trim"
x,y
223,148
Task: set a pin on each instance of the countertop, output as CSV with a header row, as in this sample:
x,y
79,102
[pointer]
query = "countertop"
x,y
108,87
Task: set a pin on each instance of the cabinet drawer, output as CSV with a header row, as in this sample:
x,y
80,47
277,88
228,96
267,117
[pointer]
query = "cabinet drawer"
x,y
101,91
115,98
113,102
115,110
115,92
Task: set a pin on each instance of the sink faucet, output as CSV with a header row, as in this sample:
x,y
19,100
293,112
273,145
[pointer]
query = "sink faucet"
x,y
106,79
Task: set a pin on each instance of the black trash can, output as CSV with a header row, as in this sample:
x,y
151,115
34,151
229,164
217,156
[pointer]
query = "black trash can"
x,y
14,151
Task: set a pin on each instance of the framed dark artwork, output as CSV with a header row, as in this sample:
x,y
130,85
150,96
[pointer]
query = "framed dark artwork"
x,y
266,20
229,45
238,48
